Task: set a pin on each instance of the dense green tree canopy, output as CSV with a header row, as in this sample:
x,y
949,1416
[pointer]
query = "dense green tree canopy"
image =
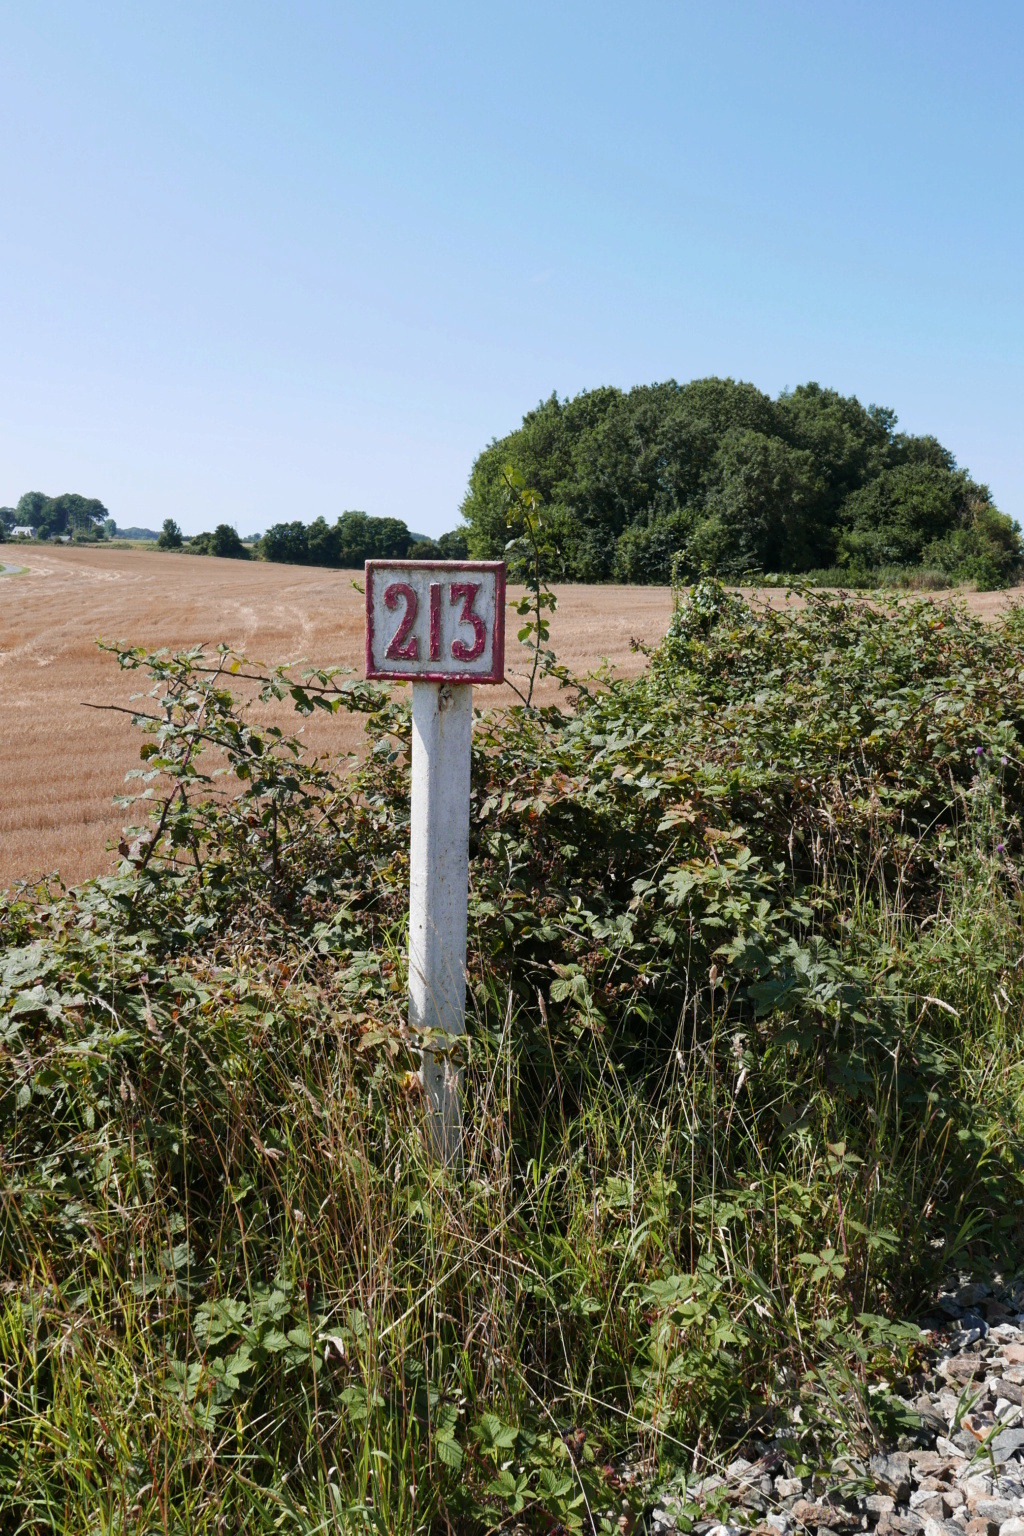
x,y
170,536
352,539
286,542
31,510
51,516
450,546
714,475
223,541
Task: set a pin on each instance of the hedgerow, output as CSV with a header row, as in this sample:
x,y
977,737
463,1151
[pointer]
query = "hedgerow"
x,y
743,1084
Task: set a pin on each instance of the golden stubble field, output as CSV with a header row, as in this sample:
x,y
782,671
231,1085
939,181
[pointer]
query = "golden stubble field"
x,y
61,763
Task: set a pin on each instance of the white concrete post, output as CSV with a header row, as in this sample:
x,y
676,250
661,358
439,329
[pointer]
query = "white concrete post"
x,y
442,732
439,625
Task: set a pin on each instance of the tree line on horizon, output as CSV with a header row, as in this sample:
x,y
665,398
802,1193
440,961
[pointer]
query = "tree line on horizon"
x,y
669,481
352,539
355,538
347,543
715,476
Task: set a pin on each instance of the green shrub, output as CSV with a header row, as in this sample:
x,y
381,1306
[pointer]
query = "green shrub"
x,y
744,1080
222,542
170,535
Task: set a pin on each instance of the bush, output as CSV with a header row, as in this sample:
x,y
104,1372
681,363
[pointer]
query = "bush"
x,y
223,542
743,1080
170,535
286,542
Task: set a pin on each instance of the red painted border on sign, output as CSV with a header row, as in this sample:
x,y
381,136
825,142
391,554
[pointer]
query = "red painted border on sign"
x,y
447,568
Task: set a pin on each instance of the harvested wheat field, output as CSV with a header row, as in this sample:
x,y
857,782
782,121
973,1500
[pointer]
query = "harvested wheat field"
x,y
62,763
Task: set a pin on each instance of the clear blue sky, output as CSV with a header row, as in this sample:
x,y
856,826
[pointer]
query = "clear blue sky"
x,y
260,261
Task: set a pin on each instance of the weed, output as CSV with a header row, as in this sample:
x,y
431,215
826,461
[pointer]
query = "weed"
x,y
744,1081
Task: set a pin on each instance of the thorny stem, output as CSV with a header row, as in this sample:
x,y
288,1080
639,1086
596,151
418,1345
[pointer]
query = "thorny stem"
x,y
536,600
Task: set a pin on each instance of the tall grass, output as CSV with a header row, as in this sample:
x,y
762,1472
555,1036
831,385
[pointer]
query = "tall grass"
x,y
744,1080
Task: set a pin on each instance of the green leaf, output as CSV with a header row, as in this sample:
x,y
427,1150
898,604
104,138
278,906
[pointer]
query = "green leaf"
x,y
449,1452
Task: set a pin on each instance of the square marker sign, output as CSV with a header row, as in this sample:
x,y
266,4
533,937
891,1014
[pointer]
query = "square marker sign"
x,y
435,622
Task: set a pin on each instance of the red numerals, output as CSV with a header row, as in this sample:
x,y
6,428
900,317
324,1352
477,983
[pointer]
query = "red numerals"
x,y
467,591
435,621
401,647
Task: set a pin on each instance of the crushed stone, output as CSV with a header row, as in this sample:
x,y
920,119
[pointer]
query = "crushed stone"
x,y
957,1471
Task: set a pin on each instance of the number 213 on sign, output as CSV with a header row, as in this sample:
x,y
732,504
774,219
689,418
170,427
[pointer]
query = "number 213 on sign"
x,y
437,621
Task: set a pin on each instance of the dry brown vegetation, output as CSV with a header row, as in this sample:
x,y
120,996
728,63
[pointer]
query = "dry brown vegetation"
x,y
61,763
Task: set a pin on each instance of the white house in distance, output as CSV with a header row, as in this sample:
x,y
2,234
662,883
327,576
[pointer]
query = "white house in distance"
x,y
23,532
